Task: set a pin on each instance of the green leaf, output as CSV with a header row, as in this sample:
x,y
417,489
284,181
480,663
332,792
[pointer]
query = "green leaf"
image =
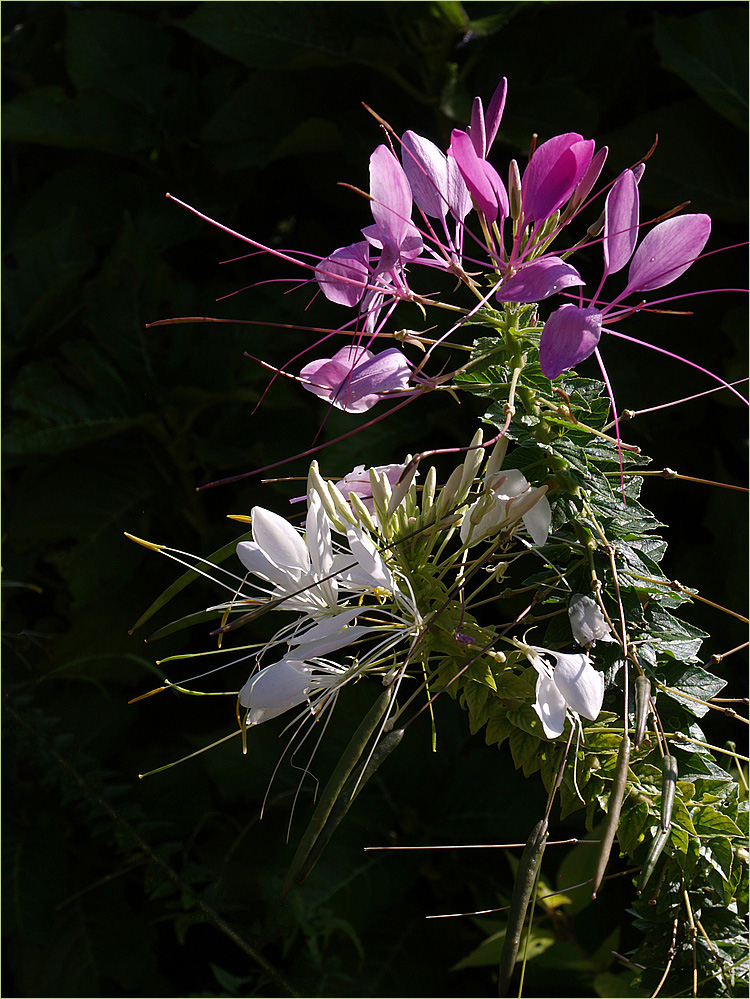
x,y
709,822
693,681
215,558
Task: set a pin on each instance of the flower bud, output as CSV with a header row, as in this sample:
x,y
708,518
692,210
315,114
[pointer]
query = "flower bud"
x,y
514,190
496,458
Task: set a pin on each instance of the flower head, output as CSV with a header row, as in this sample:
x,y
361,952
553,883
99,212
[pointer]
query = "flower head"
x,y
508,498
355,379
571,688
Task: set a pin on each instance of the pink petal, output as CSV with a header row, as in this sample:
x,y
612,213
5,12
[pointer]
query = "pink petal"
x,y
553,173
391,194
538,280
621,213
482,180
667,251
426,169
495,113
354,379
570,335
350,263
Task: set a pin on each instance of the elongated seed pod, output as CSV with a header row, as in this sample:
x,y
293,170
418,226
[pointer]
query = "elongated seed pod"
x,y
345,800
526,878
335,785
642,707
657,845
668,787
613,812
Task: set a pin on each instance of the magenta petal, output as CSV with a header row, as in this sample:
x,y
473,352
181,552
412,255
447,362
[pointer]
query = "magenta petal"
x,y
483,181
553,173
667,251
570,335
538,280
391,196
388,371
327,373
495,114
354,378
476,129
350,263
621,213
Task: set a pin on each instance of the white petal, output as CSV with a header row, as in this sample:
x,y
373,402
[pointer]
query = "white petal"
x,y
330,626
510,483
279,540
318,536
338,640
375,570
580,684
587,621
490,523
255,560
537,521
550,706
275,689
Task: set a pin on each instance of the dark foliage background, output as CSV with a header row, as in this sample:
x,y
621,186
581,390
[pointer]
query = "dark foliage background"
x,y
252,112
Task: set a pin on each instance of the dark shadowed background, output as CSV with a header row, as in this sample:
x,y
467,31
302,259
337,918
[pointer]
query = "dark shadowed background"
x,y
252,112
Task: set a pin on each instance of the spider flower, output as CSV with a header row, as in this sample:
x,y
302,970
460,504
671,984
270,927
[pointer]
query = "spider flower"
x,y
355,379
572,333
508,498
283,686
305,573
570,689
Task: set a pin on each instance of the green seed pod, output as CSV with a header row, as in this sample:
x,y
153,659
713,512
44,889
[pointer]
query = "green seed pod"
x,y
335,785
351,789
668,787
613,812
526,879
642,707
657,845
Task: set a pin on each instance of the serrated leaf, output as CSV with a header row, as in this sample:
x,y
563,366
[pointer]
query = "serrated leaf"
x,y
709,823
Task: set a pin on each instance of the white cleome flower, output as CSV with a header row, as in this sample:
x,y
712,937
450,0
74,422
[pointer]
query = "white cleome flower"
x,y
571,688
284,685
508,498
305,572
587,622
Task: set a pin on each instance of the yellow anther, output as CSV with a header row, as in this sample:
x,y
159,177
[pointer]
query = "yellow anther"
x,y
146,544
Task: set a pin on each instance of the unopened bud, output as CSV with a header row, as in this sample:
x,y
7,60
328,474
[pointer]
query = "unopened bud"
x,y
449,492
428,490
401,488
642,708
514,190
470,467
594,230
497,456
361,512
